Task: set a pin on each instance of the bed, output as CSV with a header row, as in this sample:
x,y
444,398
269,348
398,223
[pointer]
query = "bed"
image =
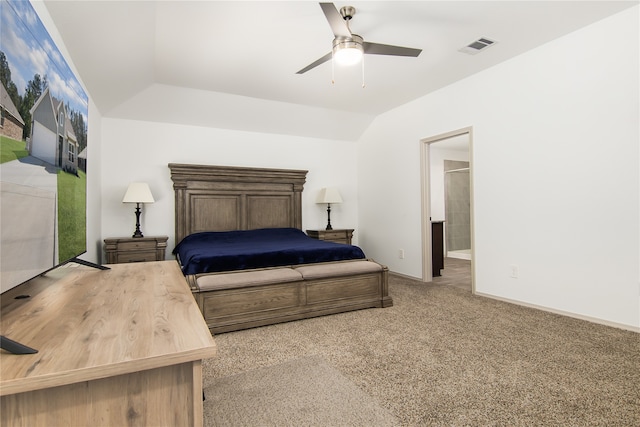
x,y
250,288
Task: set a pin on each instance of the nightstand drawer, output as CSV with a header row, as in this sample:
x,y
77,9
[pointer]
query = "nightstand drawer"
x,y
122,257
335,235
338,236
137,245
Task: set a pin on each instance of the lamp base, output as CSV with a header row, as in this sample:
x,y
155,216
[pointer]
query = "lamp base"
x,y
137,233
329,217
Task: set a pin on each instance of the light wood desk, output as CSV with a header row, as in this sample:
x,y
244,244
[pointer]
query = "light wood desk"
x,y
119,347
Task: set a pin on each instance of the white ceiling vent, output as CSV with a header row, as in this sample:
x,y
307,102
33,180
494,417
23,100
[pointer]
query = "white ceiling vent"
x,y
481,44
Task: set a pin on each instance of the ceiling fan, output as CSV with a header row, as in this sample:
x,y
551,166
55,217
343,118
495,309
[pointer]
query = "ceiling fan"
x,y
348,48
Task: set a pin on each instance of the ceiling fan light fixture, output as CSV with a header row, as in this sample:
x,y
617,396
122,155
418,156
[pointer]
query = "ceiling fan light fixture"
x,y
348,51
349,48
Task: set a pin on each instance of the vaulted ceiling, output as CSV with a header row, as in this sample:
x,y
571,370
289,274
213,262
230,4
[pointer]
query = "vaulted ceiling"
x,y
232,64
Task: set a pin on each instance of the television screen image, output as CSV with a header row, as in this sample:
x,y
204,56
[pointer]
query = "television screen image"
x,y
43,150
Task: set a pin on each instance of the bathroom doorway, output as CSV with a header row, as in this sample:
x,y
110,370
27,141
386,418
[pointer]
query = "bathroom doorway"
x,y
447,197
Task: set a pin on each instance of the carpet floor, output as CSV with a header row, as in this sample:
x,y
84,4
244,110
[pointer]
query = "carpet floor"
x,y
442,357
305,389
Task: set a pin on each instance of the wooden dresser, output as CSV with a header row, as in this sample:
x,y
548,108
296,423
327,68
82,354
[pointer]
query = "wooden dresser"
x,y
339,236
135,249
118,347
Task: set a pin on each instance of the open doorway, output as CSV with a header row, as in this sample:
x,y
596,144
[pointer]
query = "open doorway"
x,y
447,201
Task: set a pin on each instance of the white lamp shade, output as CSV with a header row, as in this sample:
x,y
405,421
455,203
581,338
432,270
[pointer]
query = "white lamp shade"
x,y
329,195
138,192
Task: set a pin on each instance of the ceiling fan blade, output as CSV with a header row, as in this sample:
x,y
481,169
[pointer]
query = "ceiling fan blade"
x,y
322,60
336,21
385,49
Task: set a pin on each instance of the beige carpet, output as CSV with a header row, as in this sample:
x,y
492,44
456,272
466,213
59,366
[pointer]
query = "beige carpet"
x,y
303,391
443,357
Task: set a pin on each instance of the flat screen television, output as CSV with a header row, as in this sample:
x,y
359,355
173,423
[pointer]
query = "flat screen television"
x,y
43,151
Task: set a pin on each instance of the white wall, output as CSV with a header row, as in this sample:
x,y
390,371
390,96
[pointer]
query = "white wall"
x,y
141,151
555,156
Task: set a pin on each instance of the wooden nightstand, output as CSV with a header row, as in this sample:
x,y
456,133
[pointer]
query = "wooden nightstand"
x,y
338,236
138,249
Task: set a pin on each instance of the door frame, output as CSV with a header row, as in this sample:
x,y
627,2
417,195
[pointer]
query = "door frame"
x,y
425,173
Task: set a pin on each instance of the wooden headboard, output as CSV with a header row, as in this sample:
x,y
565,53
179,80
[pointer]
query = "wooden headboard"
x,y
224,198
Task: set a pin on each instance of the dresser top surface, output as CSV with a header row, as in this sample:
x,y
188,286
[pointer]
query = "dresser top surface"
x,y
88,323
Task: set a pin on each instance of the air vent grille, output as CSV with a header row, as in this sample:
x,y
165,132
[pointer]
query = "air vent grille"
x,y
481,44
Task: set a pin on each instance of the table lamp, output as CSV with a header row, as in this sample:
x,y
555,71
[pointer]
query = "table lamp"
x,y
138,192
329,195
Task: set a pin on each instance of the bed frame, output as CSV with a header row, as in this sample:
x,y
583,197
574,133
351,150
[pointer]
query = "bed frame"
x,y
224,198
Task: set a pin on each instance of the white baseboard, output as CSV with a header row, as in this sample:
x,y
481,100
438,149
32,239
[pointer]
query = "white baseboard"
x,y
542,308
564,313
406,276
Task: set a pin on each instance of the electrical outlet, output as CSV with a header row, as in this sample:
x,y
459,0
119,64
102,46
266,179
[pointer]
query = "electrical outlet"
x,y
514,271
401,253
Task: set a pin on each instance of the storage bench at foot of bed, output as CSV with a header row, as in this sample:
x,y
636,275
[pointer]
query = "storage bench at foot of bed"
x,y
231,301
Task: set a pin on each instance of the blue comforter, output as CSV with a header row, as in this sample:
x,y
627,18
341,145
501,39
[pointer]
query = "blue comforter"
x,y
210,252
